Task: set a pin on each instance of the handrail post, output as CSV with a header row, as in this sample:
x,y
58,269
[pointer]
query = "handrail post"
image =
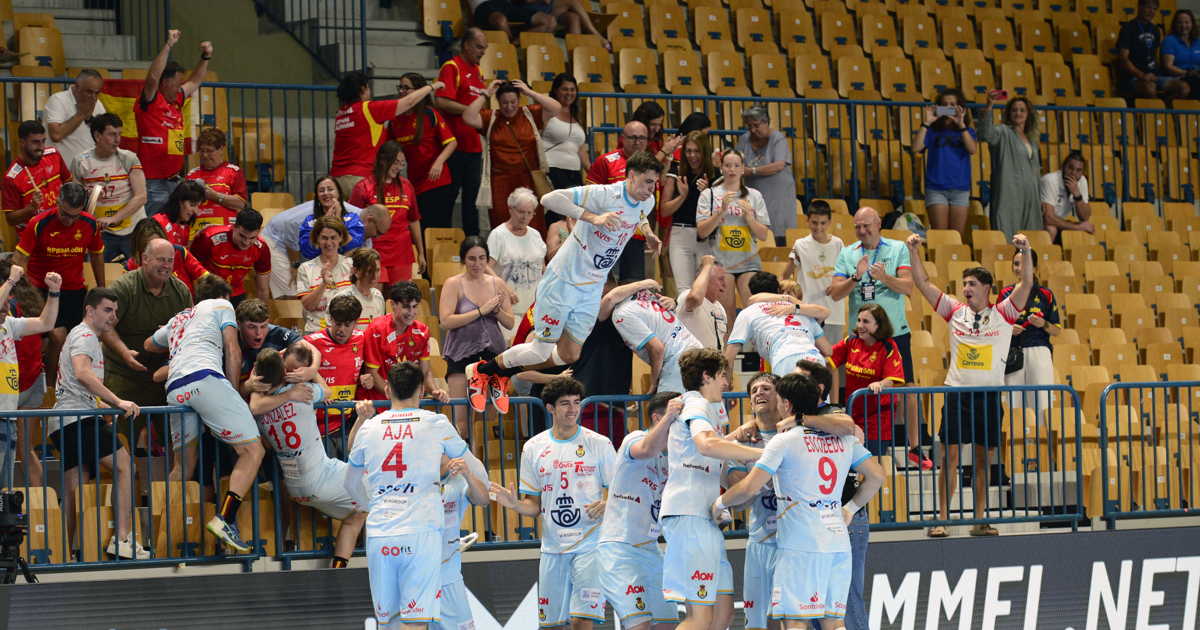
x,y
362,23
1104,456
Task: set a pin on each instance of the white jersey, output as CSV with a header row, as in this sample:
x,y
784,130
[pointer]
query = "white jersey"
x,y
567,475
11,331
291,428
591,251
112,175
454,506
810,469
635,497
195,341
694,480
778,338
641,318
71,394
763,521
401,451
978,341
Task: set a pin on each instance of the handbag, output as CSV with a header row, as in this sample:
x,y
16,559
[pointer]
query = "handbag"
x,y
1016,355
541,181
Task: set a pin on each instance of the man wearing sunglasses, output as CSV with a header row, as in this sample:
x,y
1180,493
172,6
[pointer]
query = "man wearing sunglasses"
x,y
980,333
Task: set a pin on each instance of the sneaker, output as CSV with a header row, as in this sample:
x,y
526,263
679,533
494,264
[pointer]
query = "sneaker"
x,y
498,392
128,548
477,388
227,532
917,458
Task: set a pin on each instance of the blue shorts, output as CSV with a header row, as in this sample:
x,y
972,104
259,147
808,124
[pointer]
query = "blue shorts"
x,y
695,567
406,574
455,608
961,198
757,581
323,490
569,586
219,405
560,305
785,365
632,581
809,585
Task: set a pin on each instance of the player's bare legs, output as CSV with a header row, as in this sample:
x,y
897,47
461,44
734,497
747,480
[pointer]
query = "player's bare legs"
x,y
183,461
54,343
347,535
33,465
121,466
250,457
722,613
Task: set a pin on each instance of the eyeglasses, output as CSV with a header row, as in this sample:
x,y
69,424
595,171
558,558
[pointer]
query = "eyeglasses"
x,y
404,88
637,138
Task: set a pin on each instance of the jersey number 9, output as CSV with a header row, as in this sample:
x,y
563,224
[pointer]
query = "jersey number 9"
x,y
828,471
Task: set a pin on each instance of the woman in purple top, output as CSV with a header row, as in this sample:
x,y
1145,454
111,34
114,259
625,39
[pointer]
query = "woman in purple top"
x,y
949,143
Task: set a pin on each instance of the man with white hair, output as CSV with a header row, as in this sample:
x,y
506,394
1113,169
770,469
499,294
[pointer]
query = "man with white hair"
x,y
68,112
517,253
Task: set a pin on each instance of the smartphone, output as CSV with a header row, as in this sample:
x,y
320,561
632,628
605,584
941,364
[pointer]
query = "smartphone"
x,y
945,110
999,95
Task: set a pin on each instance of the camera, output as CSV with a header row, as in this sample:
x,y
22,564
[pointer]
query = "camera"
x,y
14,525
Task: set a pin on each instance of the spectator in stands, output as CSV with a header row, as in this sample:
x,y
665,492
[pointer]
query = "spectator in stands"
x,y
364,276
26,301
557,234
233,251
118,173
878,270
652,115
948,143
1016,166
1181,51
328,272
461,82
979,342
13,331
695,121
1065,196
498,13
86,442
573,16
732,219
32,182
332,206
159,115
398,337
769,170
681,189
179,214
59,241
699,306
610,169
341,345
358,126
517,253
256,333
426,153
283,233
813,260
147,298
472,308
1031,333
872,362
1137,58
224,183
386,188
565,139
187,269
513,154
68,113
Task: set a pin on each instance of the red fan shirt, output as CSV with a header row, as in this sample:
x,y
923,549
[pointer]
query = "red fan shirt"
x,y
394,246
866,365
48,176
215,250
52,246
421,152
226,179
387,347
160,135
358,130
340,366
464,84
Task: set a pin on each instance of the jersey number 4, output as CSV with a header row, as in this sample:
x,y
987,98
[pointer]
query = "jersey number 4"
x,y
394,462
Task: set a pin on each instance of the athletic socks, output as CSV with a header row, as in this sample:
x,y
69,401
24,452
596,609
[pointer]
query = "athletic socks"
x,y
488,368
229,507
340,563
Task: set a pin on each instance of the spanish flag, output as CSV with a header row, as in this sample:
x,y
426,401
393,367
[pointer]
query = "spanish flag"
x,y
120,96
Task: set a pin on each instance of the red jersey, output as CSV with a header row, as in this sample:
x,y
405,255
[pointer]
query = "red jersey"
x,y
358,130
395,246
386,347
226,179
48,176
524,327
216,251
422,152
29,352
610,169
187,268
464,84
340,366
52,246
160,135
177,233
866,365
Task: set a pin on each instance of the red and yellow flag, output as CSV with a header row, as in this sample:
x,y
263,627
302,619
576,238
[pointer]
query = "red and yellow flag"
x,y
120,96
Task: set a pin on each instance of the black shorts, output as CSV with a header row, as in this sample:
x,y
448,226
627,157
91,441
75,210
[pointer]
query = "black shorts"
x,y
521,14
904,345
70,307
972,417
237,299
460,367
87,440
631,266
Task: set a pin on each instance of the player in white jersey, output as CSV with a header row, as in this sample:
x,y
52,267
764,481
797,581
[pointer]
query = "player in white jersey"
x,y
564,471
400,454
812,575
695,568
205,361
782,332
568,296
648,324
460,490
631,564
287,420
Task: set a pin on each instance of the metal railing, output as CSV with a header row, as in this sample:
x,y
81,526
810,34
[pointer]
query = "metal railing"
x,y
334,32
146,20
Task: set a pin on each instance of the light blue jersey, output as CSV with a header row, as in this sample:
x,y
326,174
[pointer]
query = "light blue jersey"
x,y
568,475
195,342
762,512
454,505
694,481
635,497
777,338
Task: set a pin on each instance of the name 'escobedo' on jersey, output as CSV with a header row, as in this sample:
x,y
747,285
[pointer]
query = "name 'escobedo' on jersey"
x,y
591,251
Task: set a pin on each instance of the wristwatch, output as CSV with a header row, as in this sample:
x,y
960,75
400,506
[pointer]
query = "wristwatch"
x,y
1079,197
856,279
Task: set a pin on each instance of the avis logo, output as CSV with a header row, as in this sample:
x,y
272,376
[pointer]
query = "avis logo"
x,y
706,577
632,590
550,320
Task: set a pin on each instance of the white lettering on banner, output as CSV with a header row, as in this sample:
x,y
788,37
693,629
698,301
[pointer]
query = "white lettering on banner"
x,y
993,606
1101,590
903,600
941,597
902,603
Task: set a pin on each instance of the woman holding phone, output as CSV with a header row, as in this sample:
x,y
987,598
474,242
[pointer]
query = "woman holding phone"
x,y
948,141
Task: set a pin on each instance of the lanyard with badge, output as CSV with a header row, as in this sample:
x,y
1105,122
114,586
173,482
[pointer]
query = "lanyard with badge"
x,y
867,287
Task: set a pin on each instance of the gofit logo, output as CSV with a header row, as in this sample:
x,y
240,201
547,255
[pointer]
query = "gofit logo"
x,y
396,551
631,590
707,577
186,396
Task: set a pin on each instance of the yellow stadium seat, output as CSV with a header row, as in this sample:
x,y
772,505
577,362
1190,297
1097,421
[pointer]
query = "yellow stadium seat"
x,y
637,68
997,36
838,51
948,10
544,62
668,27
712,30
812,73
1124,9
936,76
976,79
1104,37
854,74
957,34
44,47
842,158
1056,82
683,70
877,31
873,123
499,62
795,27
726,71
927,54
442,18
1036,37
896,77
628,29
754,32
1157,129
909,8
837,28
1073,41
1017,79
585,40
769,72
919,32
592,65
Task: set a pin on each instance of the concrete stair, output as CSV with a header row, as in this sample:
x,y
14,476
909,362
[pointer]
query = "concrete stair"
x,y
89,35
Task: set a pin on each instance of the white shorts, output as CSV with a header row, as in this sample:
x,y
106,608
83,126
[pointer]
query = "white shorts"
x,y
323,491
695,567
809,585
788,363
33,397
221,408
455,608
757,581
560,305
569,586
669,379
405,573
632,581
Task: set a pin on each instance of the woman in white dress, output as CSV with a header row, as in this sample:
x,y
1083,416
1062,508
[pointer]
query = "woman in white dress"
x,y
517,253
328,272
364,279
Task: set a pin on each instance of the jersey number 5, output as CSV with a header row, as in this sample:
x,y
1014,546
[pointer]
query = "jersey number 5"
x,y
394,462
828,471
